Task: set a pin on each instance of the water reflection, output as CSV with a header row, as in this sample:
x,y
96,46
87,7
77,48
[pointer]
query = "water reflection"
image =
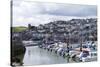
x,y
29,52
38,56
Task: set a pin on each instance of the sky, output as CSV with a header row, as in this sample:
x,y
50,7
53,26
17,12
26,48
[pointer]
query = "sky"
x,y
35,13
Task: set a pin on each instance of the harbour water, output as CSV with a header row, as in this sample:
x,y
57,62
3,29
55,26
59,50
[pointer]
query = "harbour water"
x,y
37,56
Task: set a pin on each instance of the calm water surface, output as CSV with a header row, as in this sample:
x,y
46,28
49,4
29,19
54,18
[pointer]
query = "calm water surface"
x,y
38,56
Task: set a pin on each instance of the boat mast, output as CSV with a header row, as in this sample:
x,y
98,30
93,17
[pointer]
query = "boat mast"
x,y
81,37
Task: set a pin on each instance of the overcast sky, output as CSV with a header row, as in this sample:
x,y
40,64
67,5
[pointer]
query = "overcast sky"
x,y
35,13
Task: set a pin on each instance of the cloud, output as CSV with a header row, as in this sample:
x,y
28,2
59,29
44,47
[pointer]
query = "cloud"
x,y
25,12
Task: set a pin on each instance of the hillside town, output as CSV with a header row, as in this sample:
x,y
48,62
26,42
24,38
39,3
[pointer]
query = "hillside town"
x,y
61,31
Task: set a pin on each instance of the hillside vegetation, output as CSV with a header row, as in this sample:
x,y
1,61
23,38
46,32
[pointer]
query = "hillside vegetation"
x,y
19,29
